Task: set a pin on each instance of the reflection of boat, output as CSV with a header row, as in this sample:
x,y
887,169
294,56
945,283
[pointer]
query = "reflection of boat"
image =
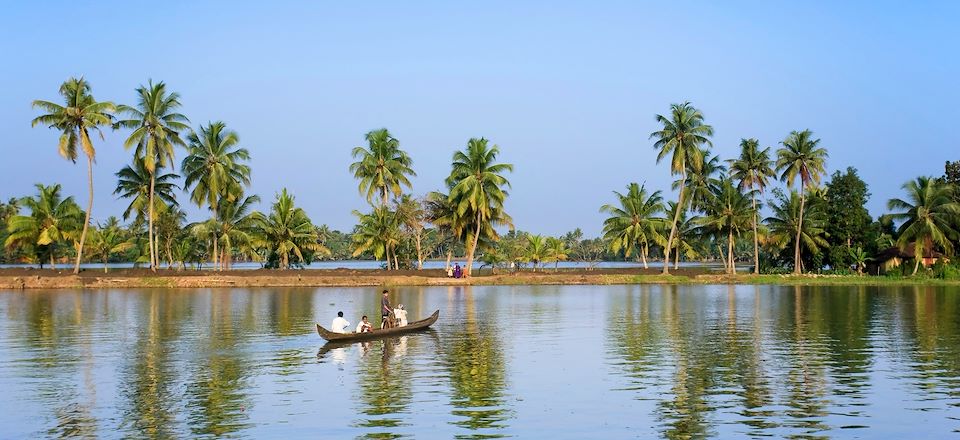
x,y
376,334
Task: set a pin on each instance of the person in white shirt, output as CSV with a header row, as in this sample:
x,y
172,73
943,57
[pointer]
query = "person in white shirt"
x,y
401,315
364,325
339,324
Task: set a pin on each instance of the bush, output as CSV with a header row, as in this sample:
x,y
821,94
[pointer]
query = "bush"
x,y
946,271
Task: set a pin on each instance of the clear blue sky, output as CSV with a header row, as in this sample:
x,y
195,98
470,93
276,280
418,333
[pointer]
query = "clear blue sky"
x,y
568,90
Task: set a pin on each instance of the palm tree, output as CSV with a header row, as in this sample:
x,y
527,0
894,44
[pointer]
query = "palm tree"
x,y
443,214
79,115
107,241
537,250
214,169
681,137
234,227
701,182
377,232
156,129
382,167
133,182
477,190
687,231
929,216
801,157
286,231
785,223
412,216
52,220
633,223
558,251
729,213
752,170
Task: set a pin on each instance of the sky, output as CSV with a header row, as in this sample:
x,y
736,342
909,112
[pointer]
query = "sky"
x,y
568,91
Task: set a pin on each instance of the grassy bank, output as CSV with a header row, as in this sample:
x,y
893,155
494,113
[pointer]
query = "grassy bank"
x,y
47,279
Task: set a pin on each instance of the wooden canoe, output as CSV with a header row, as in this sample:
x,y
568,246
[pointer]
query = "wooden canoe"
x,y
377,333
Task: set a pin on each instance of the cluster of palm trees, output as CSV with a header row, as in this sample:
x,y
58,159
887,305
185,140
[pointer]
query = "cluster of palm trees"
x,y
215,172
469,210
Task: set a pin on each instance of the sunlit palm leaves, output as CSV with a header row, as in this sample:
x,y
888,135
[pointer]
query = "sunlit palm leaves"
x,y
52,220
287,232
729,213
801,157
753,170
785,223
382,167
133,182
928,215
634,222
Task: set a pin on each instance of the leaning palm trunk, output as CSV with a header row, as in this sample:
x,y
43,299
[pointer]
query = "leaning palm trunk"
x,y
419,253
797,268
756,239
473,247
676,258
673,226
732,268
643,256
86,222
449,257
150,235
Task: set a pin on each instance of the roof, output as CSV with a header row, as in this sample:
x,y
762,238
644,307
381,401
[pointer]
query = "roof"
x,y
907,252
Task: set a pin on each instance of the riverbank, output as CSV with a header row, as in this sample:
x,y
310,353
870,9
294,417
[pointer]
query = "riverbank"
x,y
20,278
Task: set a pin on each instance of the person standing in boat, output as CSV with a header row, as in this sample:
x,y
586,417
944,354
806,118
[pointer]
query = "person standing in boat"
x,y
401,314
364,325
339,324
385,310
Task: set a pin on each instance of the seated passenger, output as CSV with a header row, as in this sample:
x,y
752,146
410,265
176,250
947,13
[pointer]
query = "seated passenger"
x,y
339,324
364,325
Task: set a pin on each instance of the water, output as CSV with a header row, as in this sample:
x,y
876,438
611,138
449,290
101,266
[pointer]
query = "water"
x,y
518,361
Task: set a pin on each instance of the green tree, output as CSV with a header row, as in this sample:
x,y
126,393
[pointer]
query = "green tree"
x,y
442,213
412,216
558,251
753,170
801,157
382,167
108,241
785,224
729,213
156,127
235,227
538,250
928,217
849,224
478,190
701,182
286,231
377,232
75,119
633,223
685,243
134,181
681,136
215,170
859,258
52,220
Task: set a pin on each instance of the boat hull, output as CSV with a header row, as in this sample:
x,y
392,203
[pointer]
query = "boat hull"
x,y
377,334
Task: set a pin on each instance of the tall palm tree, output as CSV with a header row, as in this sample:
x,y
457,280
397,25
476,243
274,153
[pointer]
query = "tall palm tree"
x,y
929,215
214,170
377,232
801,157
134,181
443,214
681,137
687,233
702,181
52,220
75,119
752,170
785,224
234,227
633,223
729,213
412,215
478,190
157,127
286,231
382,167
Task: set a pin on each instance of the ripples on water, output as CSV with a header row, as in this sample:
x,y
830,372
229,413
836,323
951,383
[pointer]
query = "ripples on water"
x,y
529,362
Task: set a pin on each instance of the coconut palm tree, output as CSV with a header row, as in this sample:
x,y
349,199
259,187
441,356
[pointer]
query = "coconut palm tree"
x,y
537,250
234,227
785,224
801,157
558,251
286,231
377,232
382,167
75,119
860,259
687,232
412,215
214,169
928,215
752,170
478,190
107,241
156,128
681,137
443,214
133,182
702,180
52,220
633,222
729,213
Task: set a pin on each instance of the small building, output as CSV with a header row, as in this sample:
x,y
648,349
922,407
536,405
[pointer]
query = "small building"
x,y
891,258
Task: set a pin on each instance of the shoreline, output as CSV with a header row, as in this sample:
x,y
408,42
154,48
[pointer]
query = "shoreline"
x,y
50,279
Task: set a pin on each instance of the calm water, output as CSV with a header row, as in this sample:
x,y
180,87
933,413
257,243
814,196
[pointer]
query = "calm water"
x,y
528,362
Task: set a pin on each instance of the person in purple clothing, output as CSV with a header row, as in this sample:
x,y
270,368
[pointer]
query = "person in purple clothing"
x,y
457,271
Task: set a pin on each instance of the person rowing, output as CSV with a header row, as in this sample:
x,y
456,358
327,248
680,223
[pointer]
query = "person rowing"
x,y
385,310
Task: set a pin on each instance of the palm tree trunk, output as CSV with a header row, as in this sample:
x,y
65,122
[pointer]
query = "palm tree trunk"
x,y
473,247
86,222
643,256
396,264
756,239
676,258
419,252
216,235
449,257
673,226
150,237
169,255
796,249
104,265
732,269
723,257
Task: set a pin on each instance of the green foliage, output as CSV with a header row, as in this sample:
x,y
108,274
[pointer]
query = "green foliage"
x,y
382,167
848,225
286,232
928,216
785,222
52,222
633,223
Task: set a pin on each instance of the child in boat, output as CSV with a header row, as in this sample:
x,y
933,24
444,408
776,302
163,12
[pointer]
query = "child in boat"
x,y
364,325
401,315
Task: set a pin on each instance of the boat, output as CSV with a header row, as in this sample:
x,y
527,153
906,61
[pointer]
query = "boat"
x,y
378,333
